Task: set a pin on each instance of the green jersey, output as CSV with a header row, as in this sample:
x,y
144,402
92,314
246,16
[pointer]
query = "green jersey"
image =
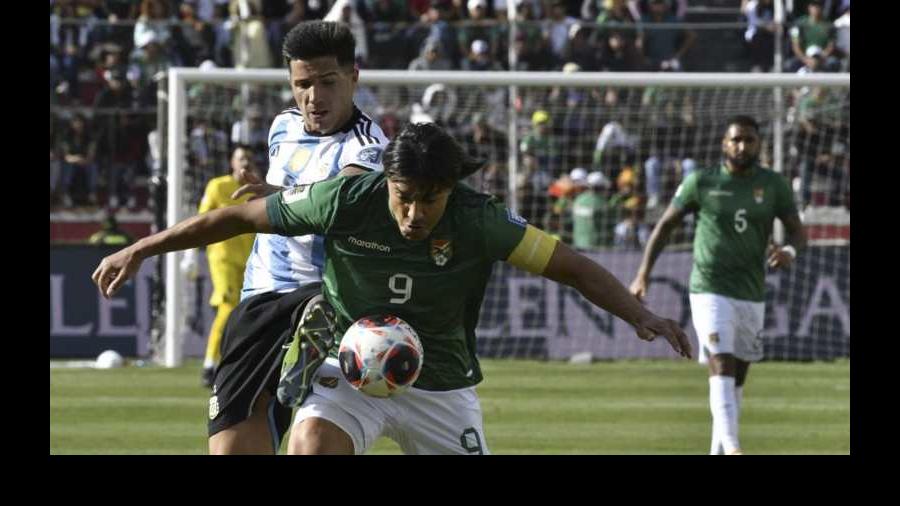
x,y
590,221
735,217
436,285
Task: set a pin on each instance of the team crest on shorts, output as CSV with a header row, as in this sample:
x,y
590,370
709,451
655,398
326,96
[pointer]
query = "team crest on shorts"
x,y
213,406
714,337
758,195
441,251
328,381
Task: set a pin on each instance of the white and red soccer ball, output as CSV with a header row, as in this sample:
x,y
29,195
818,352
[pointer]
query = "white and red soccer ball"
x,y
381,355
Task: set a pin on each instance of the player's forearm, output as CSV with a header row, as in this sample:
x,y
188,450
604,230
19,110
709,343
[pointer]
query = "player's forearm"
x,y
655,244
605,291
201,230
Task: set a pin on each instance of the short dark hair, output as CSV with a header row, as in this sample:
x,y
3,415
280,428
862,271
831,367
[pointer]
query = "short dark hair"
x,y
314,39
744,121
426,154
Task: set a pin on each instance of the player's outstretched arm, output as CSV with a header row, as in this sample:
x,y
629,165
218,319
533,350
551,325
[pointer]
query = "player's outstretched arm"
x,y
601,288
655,244
200,230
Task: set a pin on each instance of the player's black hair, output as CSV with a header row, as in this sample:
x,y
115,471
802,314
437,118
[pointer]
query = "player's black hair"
x,y
744,121
426,154
246,147
313,39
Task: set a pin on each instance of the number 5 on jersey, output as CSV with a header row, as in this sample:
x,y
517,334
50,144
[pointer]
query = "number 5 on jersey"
x,y
401,284
740,220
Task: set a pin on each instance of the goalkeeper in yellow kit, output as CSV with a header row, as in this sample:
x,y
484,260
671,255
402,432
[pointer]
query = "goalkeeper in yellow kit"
x,y
226,258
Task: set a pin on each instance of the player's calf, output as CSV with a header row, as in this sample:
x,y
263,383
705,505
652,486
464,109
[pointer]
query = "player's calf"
x,y
309,346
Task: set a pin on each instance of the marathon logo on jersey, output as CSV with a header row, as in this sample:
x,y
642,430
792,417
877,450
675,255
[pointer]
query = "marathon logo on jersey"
x,y
515,218
274,151
714,338
758,194
369,244
295,193
441,251
213,407
370,155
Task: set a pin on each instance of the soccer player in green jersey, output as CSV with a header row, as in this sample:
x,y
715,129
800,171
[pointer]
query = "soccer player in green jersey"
x,y
415,243
736,203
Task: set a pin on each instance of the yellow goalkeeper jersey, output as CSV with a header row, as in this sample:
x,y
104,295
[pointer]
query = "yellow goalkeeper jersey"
x,y
217,195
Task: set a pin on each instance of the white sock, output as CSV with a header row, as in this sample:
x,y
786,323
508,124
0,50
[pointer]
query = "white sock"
x,y
208,363
738,397
723,406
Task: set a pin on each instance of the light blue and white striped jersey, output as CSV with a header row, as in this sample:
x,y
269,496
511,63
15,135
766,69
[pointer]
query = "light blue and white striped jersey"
x,y
283,264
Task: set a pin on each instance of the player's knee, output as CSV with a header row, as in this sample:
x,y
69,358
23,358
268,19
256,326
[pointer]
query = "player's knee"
x,y
722,364
317,436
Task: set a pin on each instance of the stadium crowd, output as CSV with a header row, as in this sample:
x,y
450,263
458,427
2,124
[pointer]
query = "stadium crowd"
x,y
583,153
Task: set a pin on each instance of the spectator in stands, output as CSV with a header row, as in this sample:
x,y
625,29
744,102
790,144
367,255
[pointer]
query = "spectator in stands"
x,y
431,58
195,39
251,130
541,145
480,58
249,46
812,30
344,11
438,105
814,61
612,143
479,27
541,158
664,48
591,224
154,24
760,35
677,8
78,148
485,142
207,146
824,178
110,234
385,17
556,32
564,191
842,39
68,66
581,49
117,92
440,31
630,232
617,53
529,56
148,63
617,15
279,16
121,145
577,106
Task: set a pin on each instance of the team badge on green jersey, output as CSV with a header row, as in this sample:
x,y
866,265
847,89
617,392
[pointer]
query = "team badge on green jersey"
x,y
758,195
441,251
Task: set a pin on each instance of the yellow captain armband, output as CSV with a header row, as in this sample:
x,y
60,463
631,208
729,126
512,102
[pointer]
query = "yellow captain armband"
x,y
533,251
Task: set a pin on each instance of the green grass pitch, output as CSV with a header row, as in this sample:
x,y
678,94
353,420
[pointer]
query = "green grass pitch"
x,y
623,407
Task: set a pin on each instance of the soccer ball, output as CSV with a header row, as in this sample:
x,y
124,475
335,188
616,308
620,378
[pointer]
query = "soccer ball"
x,y
109,359
381,355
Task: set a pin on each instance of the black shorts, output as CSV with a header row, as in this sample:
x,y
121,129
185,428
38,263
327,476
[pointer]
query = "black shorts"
x,y
251,359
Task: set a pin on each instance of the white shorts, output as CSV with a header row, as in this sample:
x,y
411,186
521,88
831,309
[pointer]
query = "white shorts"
x,y
726,325
421,422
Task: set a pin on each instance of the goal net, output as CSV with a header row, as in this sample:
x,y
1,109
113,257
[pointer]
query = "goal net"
x,y
548,139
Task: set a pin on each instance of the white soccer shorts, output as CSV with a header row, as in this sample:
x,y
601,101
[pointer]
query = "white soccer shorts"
x,y
726,325
421,422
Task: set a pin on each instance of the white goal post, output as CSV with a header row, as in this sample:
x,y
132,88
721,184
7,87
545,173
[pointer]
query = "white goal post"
x,y
181,79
